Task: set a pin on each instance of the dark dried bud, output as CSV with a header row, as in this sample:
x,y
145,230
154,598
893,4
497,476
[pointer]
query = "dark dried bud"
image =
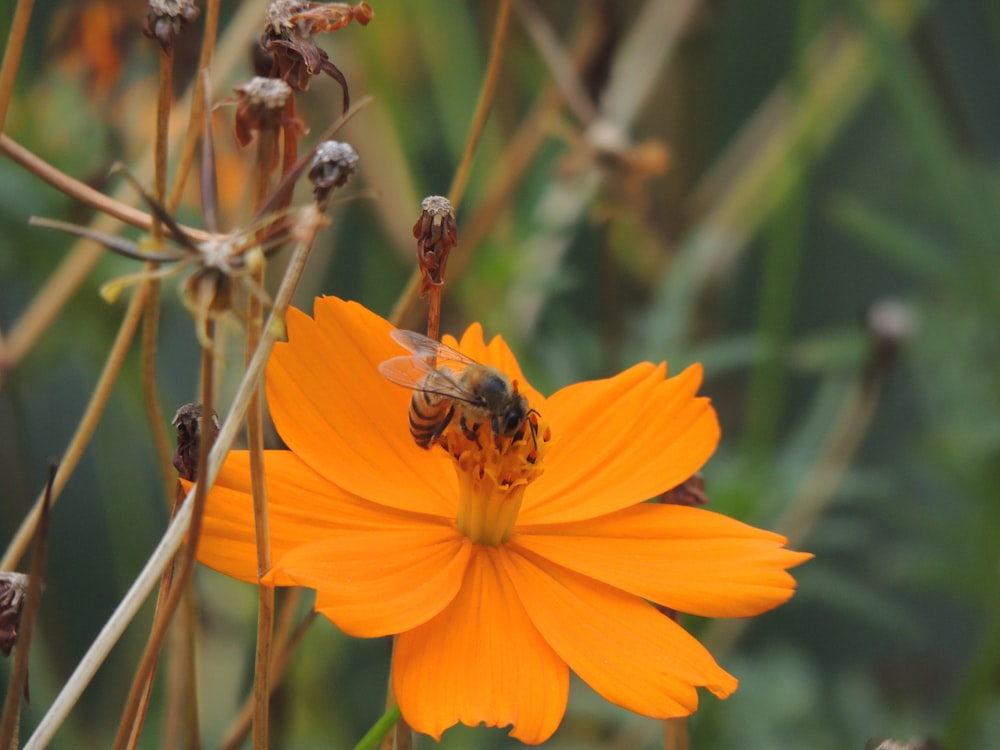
x,y
436,235
260,105
166,18
13,592
891,324
188,421
690,492
332,165
914,743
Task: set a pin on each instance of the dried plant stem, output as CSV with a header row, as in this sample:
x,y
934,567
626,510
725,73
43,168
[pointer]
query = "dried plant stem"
x,y
240,726
12,54
675,734
130,716
178,528
19,672
460,180
189,146
161,599
151,320
84,430
267,143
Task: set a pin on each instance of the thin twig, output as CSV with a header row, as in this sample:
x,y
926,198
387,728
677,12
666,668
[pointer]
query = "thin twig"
x,y
12,54
267,143
240,726
178,528
85,428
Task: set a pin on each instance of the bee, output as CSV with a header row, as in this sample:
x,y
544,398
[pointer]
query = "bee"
x,y
447,384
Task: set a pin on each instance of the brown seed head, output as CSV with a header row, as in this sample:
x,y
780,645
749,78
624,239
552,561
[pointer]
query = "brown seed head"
x,y
332,165
166,18
189,423
260,105
436,235
13,591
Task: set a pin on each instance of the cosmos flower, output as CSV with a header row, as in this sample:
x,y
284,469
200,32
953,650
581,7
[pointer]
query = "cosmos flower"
x,y
499,564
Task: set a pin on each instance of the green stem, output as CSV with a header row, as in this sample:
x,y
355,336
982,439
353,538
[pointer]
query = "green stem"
x,y
379,729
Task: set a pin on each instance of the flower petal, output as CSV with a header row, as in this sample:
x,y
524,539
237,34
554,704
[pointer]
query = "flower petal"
x,y
620,441
617,643
383,581
688,559
496,354
480,660
340,416
302,507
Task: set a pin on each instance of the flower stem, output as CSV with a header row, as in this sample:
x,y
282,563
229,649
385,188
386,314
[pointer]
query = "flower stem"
x,y
267,143
379,729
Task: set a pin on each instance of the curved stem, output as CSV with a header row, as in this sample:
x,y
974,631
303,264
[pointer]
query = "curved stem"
x,y
12,54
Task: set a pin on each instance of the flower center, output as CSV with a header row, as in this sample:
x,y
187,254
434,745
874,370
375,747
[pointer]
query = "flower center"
x,y
493,473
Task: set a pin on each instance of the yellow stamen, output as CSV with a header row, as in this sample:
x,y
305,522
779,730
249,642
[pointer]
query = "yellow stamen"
x,y
493,474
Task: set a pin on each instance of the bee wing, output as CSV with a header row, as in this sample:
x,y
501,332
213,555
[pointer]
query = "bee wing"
x,y
417,374
431,350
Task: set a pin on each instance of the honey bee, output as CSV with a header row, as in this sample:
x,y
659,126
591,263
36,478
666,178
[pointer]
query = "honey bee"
x,y
447,384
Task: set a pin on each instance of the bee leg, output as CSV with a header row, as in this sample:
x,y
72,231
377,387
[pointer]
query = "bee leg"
x,y
444,425
472,433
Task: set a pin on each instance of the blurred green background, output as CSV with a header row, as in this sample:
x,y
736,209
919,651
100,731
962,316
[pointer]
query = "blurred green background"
x,y
776,171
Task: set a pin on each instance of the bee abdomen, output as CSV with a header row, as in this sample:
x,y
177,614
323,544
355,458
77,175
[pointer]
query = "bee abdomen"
x,y
430,414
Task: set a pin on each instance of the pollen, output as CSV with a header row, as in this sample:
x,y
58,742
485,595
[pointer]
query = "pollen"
x,y
493,474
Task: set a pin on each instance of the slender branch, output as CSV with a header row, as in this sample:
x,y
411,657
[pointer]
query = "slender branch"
x,y
85,428
178,528
267,143
12,54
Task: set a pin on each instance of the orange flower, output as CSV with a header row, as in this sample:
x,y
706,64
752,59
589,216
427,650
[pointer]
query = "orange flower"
x,y
489,626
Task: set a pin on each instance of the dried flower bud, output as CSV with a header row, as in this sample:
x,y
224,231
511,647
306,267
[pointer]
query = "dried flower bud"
x,y
436,235
332,165
890,324
13,591
690,492
166,18
289,25
188,421
914,743
260,106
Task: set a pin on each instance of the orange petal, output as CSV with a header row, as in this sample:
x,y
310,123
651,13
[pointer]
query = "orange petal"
x,y
337,413
617,643
620,441
302,507
497,354
480,660
383,581
688,559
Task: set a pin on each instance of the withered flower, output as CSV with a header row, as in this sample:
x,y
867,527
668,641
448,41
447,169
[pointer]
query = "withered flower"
x,y
334,163
436,235
291,23
261,105
166,18
13,591
190,426
690,493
